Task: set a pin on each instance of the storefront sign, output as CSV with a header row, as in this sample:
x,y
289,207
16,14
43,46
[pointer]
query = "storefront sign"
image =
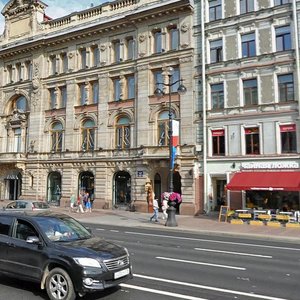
x,y
270,165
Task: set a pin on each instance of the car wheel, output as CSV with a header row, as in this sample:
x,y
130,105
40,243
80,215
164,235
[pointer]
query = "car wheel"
x,y
59,285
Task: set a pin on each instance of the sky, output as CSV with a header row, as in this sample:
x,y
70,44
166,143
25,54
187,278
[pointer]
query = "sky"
x,y
58,8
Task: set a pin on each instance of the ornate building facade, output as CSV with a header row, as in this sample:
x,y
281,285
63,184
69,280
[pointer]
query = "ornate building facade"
x,y
78,110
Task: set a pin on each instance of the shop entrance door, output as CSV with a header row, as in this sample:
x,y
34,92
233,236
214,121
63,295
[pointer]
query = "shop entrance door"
x,y
13,184
122,193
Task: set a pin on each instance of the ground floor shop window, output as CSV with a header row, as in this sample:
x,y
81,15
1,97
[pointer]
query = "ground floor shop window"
x,y
277,200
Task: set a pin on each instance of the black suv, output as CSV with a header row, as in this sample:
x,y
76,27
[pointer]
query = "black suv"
x,y
60,254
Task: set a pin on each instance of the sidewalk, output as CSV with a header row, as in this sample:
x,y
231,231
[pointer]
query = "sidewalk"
x,y
203,224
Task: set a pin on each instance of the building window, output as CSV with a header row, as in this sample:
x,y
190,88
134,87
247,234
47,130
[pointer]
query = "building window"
x,y
283,38
252,140
217,95
19,72
63,95
131,87
123,133
248,45
246,6
163,128
28,67
130,47
281,2
157,42
21,104
83,94
174,38
17,139
53,98
95,91
218,142
53,70
175,80
64,62
9,74
288,138
56,137
158,80
83,60
117,89
216,51
88,135
286,87
95,56
215,10
117,51
250,92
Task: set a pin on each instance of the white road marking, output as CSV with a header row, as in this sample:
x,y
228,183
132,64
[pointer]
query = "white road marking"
x,y
200,263
114,230
211,241
100,229
210,288
174,295
235,253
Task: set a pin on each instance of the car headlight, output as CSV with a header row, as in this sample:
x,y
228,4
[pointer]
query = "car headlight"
x,y
87,262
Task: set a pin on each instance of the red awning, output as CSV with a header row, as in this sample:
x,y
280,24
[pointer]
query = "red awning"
x,y
271,181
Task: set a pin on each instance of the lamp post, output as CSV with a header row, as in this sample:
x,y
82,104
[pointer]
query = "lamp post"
x,y
159,93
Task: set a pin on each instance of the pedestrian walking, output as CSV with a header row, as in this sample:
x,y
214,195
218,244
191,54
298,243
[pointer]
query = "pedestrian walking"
x,y
164,208
155,209
80,204
72,202
88,205
85,198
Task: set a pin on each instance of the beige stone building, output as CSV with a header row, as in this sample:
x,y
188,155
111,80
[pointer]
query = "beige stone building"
x,y
78,110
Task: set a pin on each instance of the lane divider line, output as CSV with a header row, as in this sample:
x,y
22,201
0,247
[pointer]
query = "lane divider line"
x,y
201,263
174,295
212,241
235,253
210,288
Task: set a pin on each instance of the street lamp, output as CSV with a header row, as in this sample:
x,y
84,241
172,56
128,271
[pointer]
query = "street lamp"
x,y
159,93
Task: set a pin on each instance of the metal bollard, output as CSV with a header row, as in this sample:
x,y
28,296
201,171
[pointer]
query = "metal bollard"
x,y
171,210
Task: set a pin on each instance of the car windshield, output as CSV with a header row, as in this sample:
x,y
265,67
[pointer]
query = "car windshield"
x,y
62,229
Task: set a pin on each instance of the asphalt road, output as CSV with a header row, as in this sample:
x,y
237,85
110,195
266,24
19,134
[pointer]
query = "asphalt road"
x,y
192,266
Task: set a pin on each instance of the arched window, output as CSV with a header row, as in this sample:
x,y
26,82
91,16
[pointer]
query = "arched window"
x,y
163,128
88,135
123,133
56,136
21,104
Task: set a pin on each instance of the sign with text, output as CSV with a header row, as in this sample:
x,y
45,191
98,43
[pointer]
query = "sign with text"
x,y
271,165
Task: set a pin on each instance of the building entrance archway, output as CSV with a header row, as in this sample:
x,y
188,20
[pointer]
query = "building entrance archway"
x,y
54,188
122,189
87,183
13,185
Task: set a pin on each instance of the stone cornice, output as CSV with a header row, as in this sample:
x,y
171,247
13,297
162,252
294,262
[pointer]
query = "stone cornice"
x,y
48,37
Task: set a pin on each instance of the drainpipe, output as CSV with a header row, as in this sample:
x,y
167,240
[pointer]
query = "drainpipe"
x,y
203,60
